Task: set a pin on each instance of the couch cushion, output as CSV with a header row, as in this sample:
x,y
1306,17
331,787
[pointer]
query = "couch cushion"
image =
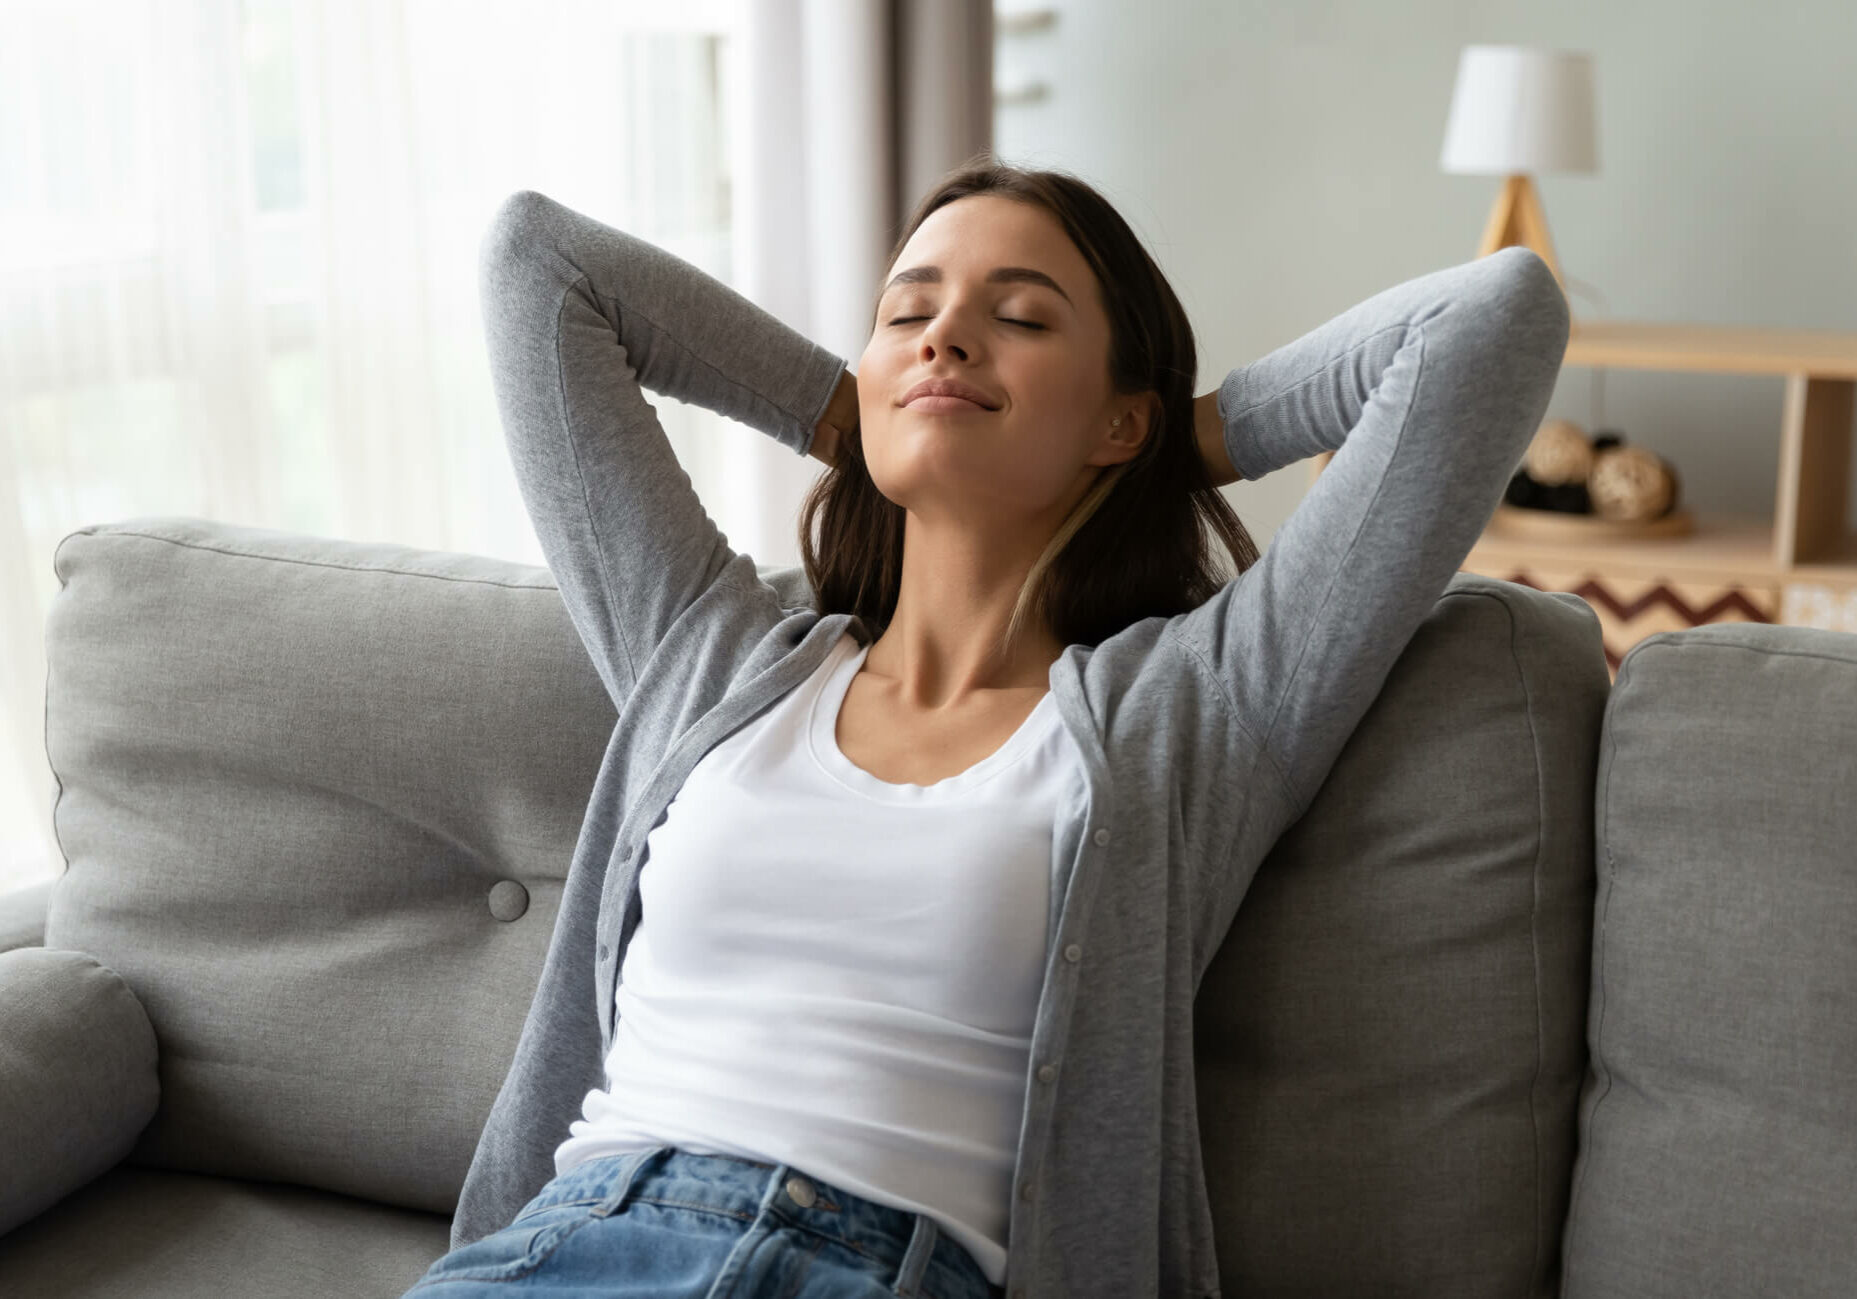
x,y
318,800
140,1233
1719,1127
1390,1040
77,1076
22,916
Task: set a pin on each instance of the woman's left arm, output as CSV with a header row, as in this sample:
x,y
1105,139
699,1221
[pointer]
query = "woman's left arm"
x,y
1428,393
1209,432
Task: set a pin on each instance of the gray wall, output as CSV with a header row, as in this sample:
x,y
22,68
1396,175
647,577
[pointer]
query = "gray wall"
x,y
1281,161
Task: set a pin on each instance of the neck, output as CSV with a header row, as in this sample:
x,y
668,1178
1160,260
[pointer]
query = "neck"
x,y
959,585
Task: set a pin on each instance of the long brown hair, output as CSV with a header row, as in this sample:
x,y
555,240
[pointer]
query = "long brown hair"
x,y
1135,545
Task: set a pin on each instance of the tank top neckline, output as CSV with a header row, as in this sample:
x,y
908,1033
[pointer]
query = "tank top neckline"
x,y
822,736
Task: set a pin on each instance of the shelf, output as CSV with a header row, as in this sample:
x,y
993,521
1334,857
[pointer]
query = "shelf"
x,y
1725,571
1726,550
1820,368
1717,349
1839,564
1723,548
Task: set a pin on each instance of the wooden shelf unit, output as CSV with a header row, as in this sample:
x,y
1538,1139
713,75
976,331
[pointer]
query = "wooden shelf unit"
x,y
1797,566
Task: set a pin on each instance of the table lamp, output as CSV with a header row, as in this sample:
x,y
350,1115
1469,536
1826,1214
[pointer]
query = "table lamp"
x,y
1517,111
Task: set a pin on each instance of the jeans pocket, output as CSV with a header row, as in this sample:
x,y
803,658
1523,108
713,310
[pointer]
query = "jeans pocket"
x,y
517,1249
537,1211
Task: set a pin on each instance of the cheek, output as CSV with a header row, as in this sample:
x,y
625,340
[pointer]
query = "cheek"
x,y
876,378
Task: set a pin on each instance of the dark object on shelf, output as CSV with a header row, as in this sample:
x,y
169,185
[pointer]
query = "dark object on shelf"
x,y
1564,498
1564,471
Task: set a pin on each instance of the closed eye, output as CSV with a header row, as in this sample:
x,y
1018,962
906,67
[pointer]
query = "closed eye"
x,y
903,320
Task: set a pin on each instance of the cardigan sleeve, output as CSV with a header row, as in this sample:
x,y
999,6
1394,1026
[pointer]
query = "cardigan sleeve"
x,y
578,318
1428,392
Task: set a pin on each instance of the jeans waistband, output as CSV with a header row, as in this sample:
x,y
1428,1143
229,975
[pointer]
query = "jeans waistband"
x,y
911,1247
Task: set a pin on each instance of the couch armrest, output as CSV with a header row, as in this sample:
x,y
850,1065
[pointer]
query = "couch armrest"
x,y
77,1076
22,916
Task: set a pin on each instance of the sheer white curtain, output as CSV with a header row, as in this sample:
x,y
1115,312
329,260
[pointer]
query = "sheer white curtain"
x,y
846,112
238,270
238,254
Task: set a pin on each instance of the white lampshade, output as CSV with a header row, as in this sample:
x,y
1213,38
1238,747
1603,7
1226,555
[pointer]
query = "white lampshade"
x,y
1518,109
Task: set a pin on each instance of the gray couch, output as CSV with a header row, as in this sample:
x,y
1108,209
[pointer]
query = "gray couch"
x,y
1553,991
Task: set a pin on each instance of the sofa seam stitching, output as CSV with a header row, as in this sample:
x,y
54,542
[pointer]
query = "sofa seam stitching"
x,y
1534,923
321,563
1598,977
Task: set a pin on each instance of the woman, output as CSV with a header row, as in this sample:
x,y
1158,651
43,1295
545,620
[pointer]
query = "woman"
x,y
936,844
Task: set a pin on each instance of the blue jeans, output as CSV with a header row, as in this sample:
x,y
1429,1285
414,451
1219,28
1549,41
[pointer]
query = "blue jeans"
x,y
667,1224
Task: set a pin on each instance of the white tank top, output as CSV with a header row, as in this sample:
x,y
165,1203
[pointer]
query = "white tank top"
x,y
840,973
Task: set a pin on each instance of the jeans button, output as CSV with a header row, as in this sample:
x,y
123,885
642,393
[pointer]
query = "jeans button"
x,y
800,1191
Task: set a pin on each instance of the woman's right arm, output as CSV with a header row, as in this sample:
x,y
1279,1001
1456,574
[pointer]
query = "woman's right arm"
x,y
840,415
578,315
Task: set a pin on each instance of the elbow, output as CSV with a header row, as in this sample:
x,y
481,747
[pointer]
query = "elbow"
x,y
513,226
1535,300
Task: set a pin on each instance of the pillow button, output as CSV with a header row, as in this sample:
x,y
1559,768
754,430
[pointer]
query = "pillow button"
x,y
508,900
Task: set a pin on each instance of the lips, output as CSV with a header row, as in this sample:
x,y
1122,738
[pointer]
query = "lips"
x,y
931,403
950,388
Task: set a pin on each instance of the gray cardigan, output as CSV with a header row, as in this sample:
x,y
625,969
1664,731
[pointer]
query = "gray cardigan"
x,y
1204,735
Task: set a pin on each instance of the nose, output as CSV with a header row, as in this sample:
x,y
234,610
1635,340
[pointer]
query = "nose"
x,y
929,346
932,337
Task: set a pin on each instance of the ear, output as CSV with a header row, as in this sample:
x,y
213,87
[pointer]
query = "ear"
x,y
1122,442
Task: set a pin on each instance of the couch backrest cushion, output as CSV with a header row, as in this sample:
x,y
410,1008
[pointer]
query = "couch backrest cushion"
x,y
1719,1126
317,800
1390,1041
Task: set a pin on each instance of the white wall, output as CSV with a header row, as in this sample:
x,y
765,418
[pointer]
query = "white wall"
x,y
1281,160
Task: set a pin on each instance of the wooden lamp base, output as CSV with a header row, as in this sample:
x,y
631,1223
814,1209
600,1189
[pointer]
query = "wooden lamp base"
x,y
1517,218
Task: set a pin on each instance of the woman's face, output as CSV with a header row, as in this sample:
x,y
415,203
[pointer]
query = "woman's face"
x,y
1049,434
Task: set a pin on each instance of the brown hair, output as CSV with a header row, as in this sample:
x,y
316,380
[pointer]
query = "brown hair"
x,y
1135,546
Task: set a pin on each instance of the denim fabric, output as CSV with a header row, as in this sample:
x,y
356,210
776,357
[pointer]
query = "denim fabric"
x,y
667,1224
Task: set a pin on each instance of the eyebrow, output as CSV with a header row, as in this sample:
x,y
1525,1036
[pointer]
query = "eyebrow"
x,y
998,275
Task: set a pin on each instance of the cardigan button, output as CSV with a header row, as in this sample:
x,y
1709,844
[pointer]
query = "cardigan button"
x,y
1073,953
1025,1190
1102,836
1046,1073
